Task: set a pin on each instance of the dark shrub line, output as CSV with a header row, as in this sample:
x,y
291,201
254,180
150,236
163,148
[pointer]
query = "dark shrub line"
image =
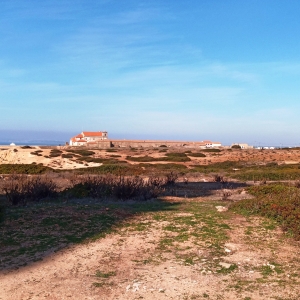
x,y
20,189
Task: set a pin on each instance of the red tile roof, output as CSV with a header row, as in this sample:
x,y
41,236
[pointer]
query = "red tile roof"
x,y
92,133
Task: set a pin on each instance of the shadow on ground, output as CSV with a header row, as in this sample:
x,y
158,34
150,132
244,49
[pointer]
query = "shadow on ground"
x,y
31,233
203,189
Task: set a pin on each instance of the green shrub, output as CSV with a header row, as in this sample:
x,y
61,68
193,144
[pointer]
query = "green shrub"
x,y
264,174
99,160
68,155
158,168
23,169
115,169
277,201
82,152
173,156
211,150
37,152
226,166
196,154
55,153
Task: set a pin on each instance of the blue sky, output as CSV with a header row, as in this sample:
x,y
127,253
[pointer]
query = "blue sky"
x,y
184,70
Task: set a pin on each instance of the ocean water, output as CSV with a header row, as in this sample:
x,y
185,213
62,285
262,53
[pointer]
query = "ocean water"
x,y
33,143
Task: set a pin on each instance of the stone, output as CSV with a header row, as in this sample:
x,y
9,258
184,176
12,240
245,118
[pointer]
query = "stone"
x,y
221,208
225,265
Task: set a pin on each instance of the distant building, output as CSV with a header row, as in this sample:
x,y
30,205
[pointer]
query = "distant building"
x,y
86,138
243,146
209,144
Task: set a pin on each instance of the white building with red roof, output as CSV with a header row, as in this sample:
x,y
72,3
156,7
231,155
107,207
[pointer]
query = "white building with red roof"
x,y
86,138
209,144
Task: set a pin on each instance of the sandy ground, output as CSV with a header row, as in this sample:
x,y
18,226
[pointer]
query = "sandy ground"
x,y
11,155
8,155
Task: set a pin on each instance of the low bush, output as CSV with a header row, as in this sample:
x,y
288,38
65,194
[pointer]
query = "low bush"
x,y
264,174
82,152
226,166
116,169
37,152
277,201
106,161
211,150
20,189
171,178
219,178
23,169
55,153
27,147
119,187
162,168
173,156
68,155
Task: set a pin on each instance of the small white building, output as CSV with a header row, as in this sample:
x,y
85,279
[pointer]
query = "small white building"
x,y
210,144
88,137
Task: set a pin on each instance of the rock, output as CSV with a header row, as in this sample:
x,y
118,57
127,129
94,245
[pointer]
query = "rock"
x,y
221,208
135,287
225,265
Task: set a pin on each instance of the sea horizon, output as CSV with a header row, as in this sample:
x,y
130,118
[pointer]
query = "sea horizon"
x,y
33,143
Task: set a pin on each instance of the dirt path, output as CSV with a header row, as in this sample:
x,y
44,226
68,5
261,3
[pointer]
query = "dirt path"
x,y
191,252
